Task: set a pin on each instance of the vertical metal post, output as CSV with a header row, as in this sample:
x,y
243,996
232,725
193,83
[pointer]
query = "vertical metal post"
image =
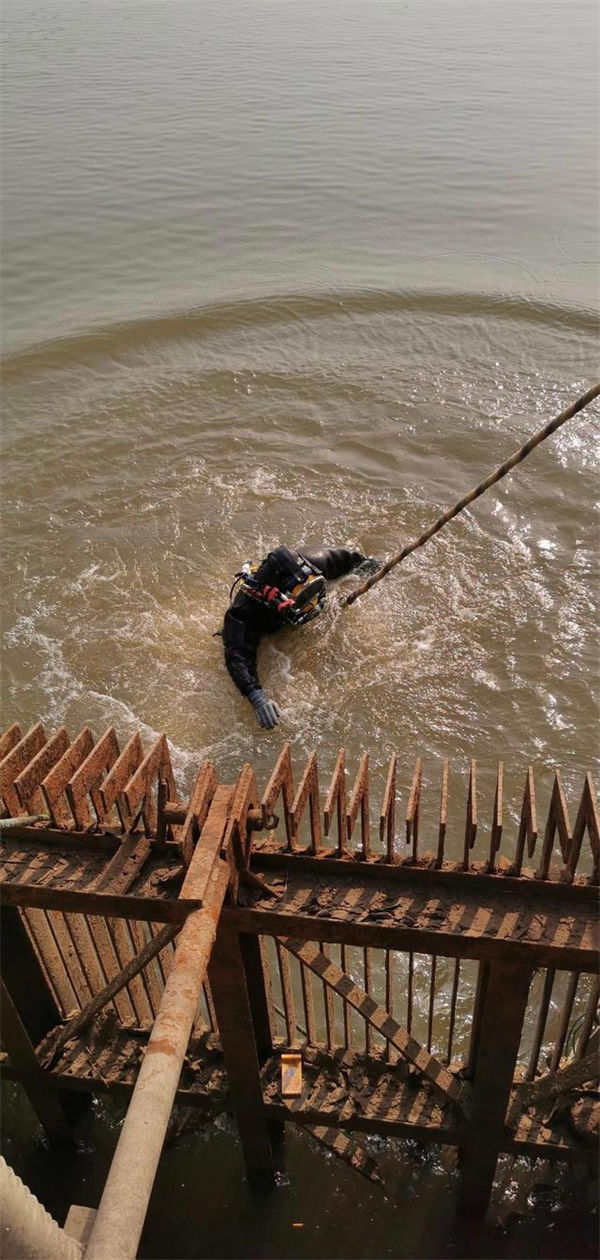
x,y
501,1025
234,1017
42,1097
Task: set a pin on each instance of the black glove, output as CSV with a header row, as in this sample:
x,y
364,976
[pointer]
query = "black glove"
x,y
368,567
267,712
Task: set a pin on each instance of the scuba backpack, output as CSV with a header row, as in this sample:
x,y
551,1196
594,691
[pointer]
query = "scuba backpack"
x,y
286,584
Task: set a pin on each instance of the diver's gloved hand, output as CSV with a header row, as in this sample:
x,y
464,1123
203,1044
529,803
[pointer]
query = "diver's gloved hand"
x,y
267,712
368,567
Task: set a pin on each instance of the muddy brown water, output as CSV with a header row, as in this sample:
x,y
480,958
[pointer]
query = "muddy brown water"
x,y
280,273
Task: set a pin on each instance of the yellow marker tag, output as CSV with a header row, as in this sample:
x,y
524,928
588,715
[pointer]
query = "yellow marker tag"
x,y
291,1075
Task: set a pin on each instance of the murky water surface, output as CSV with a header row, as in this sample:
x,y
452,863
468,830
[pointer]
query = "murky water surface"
x,y
274,273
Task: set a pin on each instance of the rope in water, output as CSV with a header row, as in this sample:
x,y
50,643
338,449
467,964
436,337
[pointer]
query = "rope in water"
x,y
495,476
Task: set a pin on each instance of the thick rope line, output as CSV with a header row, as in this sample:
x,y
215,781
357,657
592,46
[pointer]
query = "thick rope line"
x,y
495,476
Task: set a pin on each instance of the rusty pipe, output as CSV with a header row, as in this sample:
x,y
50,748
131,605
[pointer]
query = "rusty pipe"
x,y
120,1218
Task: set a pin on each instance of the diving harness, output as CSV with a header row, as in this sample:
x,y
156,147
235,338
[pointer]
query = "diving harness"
x,y
295,589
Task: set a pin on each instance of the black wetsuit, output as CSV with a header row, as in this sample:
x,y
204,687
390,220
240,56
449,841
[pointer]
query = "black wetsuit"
x,y
247,620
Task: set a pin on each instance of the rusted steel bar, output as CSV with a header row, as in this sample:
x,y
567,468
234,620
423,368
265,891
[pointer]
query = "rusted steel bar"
x,y
495,476
336,799
453,999
565,1020
443,815
54,785
413,808
9,738
240,1051
118,1225
83,1017
14,762
496,832
111,789
281,781
309,1006
87,779
483,975
346,1011
308,792
528,828
558,820
329,1012
590,1016
210,1007
374,1014
38,927
430,1012
587,817
471,823
27,783
387,817
138,791
368,971
287,994
409,991
359,800
391,1053
201,796
540,1023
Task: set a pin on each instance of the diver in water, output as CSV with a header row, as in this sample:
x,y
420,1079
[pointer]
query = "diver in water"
x,y
286,589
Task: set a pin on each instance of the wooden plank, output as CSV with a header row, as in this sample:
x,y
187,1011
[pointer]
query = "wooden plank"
x,y
234,1016
377,1016
336,801
14,762
87,778
9,739
54,785
28,781
359,800
505,1006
